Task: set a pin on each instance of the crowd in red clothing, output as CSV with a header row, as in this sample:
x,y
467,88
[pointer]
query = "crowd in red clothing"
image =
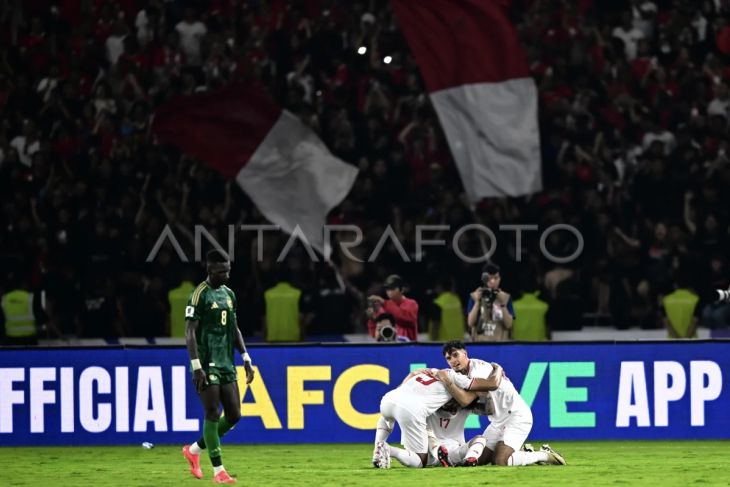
x,y
634,107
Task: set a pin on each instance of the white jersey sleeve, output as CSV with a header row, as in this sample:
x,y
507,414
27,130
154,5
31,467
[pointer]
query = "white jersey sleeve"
x,y
505,399
459,380
479,369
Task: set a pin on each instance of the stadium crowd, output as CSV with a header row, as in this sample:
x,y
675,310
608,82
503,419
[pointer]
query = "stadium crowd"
x,y
634,106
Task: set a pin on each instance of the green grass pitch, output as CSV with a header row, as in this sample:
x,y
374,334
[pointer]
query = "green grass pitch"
x,y
625,463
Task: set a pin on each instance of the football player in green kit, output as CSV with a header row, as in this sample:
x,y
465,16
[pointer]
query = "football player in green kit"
x,y
211,334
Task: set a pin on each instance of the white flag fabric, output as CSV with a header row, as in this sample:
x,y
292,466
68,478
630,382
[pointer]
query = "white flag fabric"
x,y
281,164
295,180
478,81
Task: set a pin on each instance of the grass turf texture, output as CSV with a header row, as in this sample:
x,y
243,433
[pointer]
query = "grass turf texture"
x,y
658,464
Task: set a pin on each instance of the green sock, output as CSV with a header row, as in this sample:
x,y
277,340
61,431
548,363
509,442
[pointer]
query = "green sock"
x,y
212,441
223,428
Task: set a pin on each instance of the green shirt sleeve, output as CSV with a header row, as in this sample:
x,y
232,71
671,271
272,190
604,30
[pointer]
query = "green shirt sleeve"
x,y
195,302
235,306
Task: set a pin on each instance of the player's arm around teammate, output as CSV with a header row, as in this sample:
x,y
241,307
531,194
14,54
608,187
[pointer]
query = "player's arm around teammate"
x,y
463,397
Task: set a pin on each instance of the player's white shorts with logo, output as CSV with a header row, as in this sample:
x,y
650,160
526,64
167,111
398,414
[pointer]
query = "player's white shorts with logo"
x,y
413,427
513,431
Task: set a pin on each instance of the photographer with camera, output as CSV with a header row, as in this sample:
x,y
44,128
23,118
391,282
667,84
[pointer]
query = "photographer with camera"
x,y
403,309
489,310
385,330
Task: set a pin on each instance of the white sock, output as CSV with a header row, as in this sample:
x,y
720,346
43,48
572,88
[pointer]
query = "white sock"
x,y
521,458
477,448
195,448
217,470
459,455
407,458
433,444
383,430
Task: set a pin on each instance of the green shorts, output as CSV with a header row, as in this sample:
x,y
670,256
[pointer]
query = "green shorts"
x,y
218,377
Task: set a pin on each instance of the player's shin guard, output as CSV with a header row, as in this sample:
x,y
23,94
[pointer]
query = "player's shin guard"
x,y
223,428
521,458
407,458
212,441
383,429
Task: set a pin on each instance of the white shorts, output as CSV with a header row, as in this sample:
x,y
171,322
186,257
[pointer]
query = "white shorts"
x,y
413,428
513,432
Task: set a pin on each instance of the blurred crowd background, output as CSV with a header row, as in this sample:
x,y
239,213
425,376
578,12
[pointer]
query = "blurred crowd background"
x,y
634,106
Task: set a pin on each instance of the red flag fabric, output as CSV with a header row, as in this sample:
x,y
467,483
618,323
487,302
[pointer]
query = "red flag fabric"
x,y
478,79
282,165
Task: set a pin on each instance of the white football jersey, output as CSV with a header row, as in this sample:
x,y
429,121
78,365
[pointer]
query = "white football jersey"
x,y
505,399
423,395
448,426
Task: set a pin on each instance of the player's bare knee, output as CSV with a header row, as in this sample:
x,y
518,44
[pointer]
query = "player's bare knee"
x,y
233,417
212,415
502,454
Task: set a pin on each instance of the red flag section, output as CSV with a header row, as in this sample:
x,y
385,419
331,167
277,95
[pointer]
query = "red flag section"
x,y
223,129
458,42
477,76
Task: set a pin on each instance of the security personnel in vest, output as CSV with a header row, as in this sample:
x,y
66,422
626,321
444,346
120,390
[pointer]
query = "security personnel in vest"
x,y
447,314
283,320
177,299
680,310
17,318
531,325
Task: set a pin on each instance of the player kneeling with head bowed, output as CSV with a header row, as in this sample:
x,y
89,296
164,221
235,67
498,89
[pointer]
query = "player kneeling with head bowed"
x,y
211,334
419,396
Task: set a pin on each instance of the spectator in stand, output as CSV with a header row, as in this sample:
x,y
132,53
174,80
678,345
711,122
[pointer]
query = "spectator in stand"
x,y
400,307
633,114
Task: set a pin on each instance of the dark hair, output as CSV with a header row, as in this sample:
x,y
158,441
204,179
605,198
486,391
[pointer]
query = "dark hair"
x,y
215,256
385,316
490,268
393,281
451,346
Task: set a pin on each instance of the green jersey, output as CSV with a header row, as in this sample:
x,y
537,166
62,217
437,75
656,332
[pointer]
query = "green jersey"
x,y
215,310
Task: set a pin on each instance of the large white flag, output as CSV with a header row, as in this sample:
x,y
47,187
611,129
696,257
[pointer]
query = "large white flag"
x,y
478,80
281,164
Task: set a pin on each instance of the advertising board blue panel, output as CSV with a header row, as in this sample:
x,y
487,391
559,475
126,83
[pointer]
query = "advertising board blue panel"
x,y
331,393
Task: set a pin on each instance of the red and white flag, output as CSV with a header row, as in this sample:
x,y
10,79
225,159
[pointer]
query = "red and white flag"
x,y
478,79
281,164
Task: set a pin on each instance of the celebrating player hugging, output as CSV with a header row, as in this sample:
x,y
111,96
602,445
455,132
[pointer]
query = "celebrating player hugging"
x,y
431,407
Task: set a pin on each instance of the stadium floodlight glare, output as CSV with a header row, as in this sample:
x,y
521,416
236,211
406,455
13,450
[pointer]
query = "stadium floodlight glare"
x,y
387,59
362,50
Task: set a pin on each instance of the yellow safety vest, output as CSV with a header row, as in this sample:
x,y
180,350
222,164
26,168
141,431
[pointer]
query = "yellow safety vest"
x,y
282,313
18,309
680,308
178,299
529,326
452,318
